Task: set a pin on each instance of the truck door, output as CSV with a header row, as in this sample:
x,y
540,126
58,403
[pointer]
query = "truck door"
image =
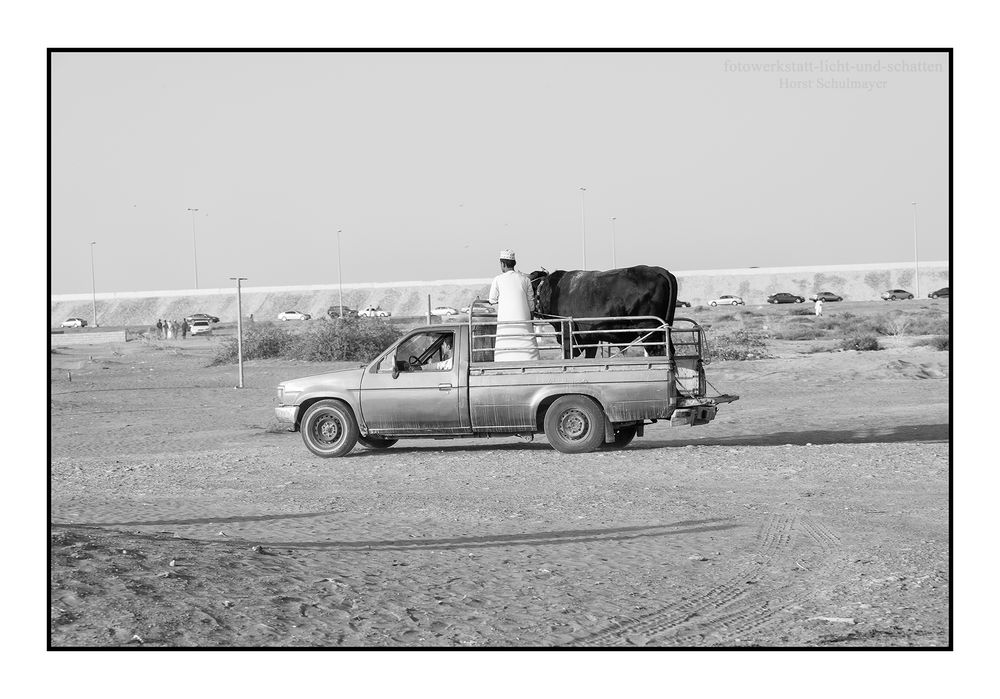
x,y
417,388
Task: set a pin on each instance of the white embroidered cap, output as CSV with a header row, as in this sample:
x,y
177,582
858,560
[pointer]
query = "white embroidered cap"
x,y
507,255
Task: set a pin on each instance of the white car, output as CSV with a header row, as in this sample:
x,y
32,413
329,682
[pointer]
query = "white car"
x,y
293,315
444,311
200,326
726,300
374,312
73,323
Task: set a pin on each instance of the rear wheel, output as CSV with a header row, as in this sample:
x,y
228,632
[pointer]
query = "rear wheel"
x,y
329,429
623,437
574,425
373,442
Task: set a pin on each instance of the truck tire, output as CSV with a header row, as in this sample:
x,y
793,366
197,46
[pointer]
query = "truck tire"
x,y
373,442
575,425
329,429
623,437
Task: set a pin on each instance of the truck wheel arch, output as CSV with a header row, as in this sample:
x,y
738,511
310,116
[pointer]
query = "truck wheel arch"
x,y
547,402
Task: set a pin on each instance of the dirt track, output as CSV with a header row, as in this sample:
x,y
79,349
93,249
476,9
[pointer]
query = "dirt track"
x,y
814,511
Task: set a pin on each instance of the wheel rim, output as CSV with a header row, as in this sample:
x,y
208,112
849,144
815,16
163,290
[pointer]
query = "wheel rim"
x,y
327,429
573,425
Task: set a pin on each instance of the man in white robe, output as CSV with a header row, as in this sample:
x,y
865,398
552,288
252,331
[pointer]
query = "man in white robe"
x,y
511,292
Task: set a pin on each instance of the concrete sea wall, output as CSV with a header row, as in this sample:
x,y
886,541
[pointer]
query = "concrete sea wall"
x,y
863,282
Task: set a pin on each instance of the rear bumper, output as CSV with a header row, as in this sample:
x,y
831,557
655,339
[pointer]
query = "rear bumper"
x,y
698,411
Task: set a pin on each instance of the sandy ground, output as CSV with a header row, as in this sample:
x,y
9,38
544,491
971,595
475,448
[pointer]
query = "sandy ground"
x,y
812,512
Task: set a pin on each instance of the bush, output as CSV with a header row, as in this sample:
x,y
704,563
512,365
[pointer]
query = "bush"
x,y
259,342
941,343
921,325
727,316
802,312
805,332
740,346
344,339
861,343
348,339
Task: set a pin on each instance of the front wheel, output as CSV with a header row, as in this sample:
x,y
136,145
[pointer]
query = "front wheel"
x,y
736,303
575,425
373,442
713,304
329,429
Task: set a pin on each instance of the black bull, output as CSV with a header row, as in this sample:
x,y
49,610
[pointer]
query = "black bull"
x,y
630,291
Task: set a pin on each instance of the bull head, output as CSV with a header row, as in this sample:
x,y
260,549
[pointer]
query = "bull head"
x,y
540,290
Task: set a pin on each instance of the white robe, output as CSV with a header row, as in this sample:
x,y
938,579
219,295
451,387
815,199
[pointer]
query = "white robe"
x,y
515,341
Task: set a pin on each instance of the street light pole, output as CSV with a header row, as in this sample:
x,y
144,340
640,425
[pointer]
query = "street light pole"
x,y
916,263
239,326
93,283
194,239
614,262
340,276
583,223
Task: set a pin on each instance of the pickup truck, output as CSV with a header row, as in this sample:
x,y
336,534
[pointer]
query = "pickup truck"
x,y
422,388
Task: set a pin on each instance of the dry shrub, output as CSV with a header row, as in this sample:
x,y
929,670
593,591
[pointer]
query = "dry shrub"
x,y
348,339
801,332
740,346
724,317
344,339
802,312
861,343
921,325
942,343
260,341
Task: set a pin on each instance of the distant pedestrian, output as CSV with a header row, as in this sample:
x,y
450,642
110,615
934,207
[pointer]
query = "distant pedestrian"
x,y
184,329
251,317
171,327
159,329
819,306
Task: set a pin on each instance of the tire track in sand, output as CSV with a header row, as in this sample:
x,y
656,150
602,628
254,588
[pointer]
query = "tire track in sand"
x,y
759,609
773,537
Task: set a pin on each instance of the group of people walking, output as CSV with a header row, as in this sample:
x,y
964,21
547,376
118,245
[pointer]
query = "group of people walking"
x,y
171,329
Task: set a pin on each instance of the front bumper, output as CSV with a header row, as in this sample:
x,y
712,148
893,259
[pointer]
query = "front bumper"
x,y
286,413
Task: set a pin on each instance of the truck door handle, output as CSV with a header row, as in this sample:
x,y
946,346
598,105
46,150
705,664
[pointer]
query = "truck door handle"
x,y
444,386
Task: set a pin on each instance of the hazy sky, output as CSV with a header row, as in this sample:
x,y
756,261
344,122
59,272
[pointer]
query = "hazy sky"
x,y
432,162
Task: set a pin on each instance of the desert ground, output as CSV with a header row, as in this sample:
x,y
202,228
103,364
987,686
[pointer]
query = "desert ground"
x,y
813,512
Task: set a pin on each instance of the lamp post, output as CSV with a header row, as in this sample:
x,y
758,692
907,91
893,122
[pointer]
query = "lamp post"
x,y
239,326
916,263
340,276
583,223
194,240
93,283
614,262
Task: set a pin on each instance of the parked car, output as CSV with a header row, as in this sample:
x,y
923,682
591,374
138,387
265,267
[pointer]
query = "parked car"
x,y
200,326
726,300
896,295
374,312
482,309
784,297
293,315
826,296
335,312
682,304
201,316
444,311
73,323
944,293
